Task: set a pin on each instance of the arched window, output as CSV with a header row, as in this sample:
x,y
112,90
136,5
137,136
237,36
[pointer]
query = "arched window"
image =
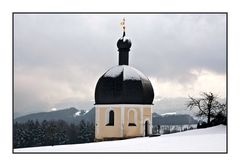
x,y
111,118
146,128
131,118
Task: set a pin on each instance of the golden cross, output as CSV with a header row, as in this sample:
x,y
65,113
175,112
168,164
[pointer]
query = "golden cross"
x,y
123,24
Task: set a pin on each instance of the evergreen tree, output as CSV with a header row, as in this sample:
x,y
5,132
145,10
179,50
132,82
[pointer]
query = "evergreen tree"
x,y
81,136
51,133
72,133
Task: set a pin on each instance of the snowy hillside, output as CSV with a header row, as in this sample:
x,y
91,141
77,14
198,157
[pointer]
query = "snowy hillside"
x,y
201,140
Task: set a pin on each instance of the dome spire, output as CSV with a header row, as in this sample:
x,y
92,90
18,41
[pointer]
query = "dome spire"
x,y
124,45
123,26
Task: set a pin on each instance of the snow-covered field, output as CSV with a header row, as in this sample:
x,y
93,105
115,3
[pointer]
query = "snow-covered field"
x,y
201,140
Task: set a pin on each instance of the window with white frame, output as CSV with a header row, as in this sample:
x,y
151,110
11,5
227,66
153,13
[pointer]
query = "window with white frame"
x,y
132,118
111,118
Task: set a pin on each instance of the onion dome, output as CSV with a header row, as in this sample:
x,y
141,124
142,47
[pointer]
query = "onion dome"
x,y
124,43
123,84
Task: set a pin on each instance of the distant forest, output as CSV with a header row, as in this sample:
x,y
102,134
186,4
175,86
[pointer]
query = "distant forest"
x,y
49,133
29,132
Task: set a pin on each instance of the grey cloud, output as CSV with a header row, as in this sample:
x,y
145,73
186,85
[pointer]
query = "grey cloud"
x,y
187,42
68,53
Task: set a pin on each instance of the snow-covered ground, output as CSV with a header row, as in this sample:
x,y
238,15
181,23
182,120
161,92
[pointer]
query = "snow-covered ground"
x,y
200,140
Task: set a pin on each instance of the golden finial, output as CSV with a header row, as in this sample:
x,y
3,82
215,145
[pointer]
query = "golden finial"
x,y
123,25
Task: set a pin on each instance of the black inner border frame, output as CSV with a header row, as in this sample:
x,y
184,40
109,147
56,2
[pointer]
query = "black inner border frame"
x,y
224,13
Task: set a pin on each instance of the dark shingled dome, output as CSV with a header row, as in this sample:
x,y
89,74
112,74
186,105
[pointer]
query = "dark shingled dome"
x,y
123,85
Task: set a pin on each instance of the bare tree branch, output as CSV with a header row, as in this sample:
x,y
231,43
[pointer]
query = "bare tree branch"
x,y
207,105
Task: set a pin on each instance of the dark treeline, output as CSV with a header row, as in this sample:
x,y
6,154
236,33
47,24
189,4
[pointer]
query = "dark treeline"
x,y
47,133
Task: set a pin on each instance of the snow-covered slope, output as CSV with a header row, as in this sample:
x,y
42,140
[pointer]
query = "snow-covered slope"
x,y
201,140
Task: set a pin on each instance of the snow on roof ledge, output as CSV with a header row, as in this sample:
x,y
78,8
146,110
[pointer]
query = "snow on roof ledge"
x,y
129,73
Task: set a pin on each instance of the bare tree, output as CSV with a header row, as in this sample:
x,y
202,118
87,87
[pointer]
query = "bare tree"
x,y
207,105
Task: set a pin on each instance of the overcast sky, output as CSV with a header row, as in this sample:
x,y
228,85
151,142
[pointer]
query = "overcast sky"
x,y
59,58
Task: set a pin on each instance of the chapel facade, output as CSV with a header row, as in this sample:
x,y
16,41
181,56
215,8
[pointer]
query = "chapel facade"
x,y
123,99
